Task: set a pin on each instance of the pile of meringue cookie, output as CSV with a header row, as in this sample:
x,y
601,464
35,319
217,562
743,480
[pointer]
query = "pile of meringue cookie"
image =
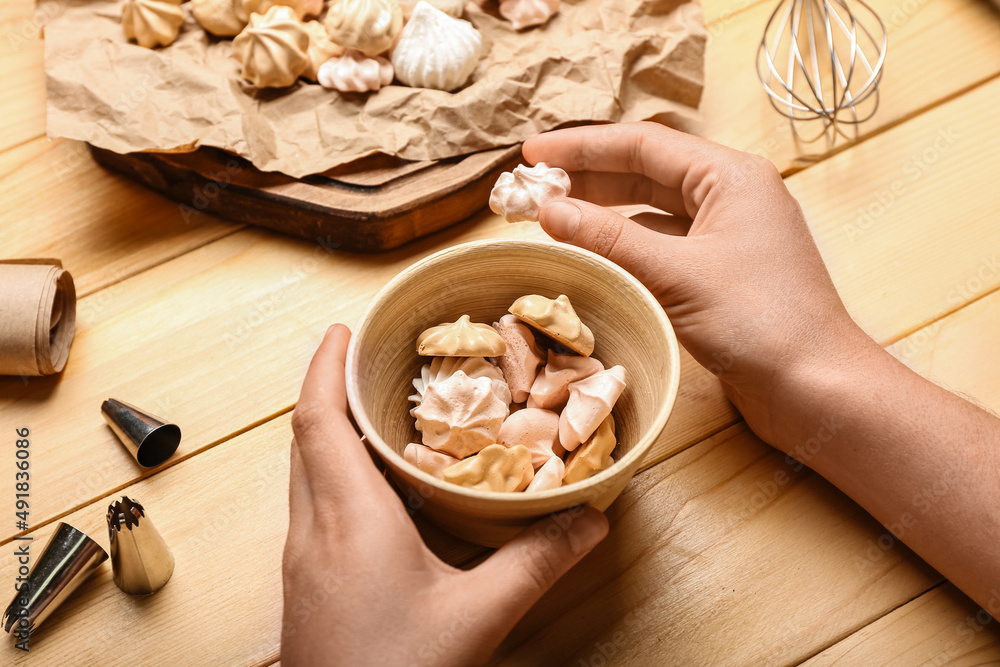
x,y
519,406
360,46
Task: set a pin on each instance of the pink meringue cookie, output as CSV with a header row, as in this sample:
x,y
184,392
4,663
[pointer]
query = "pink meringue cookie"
x,y
549,476
522,359
538,430
442,368
461,415
526,13
590,402
426,459
550,390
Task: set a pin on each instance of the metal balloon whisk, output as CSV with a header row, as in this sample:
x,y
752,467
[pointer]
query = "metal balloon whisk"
x,y
821,60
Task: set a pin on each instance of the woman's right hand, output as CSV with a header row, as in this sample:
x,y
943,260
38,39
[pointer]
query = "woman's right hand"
x,y
734,265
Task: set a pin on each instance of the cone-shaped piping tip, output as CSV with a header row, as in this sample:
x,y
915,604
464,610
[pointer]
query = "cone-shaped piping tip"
x,y
68,559
141,560
149,439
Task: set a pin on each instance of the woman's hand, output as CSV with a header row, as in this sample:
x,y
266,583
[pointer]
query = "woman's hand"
x,y
361,588
745,289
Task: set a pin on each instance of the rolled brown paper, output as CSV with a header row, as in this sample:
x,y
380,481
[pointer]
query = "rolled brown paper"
x,y
37,316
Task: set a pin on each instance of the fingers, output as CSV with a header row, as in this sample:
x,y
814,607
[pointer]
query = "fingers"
x,y
521,571
615,189
632,246
333,457
674,159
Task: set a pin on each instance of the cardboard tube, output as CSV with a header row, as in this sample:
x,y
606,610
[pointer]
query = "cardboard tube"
x,y
37,316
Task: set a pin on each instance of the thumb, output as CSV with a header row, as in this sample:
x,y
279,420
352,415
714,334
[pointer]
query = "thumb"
x,y
625,242
521,571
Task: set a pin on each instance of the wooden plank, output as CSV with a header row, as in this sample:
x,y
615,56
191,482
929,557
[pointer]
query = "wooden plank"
x,y
58,203
736,110
873,209
21,60
224,516
941,627
723,555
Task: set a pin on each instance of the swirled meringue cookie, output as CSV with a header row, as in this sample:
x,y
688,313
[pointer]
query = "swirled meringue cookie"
x,y
556,319
522,359
550,390
436,50
354,72
152,23
495,468
462,338
450,7
303,8
320,50
426,459
549,476
526,13
519,195
592,456
461,415
222,18
273,48
538,430
442,368
590,402
369,26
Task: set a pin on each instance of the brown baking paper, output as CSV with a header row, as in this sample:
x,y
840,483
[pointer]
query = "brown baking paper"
x,y
596,60
37,316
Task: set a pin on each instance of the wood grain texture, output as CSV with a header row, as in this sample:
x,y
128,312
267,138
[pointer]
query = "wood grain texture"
x,y
725,555
941,627
872,207
101,226
21,61
224,516
737,113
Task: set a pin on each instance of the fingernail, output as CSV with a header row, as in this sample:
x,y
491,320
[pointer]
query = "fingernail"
x,y
587,531
561,220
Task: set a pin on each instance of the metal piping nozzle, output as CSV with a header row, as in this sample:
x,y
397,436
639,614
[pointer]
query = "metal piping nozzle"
x,y
141,560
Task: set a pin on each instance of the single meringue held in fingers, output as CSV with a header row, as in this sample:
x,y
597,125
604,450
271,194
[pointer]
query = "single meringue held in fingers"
x,y
518,195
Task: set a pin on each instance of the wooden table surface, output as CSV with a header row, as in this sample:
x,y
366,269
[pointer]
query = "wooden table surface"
x,y
719,552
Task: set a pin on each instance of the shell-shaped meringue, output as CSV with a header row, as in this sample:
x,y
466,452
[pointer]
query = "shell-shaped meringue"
x,y
590,402
549,476
222,18
462,338
442,368
436,50
152,23
526,13
320,50
354,72
550,390
538,430
303,8
426,459
495,468
370,26
518,195
461,415
522,359
557,319
450,7
592,456
272,48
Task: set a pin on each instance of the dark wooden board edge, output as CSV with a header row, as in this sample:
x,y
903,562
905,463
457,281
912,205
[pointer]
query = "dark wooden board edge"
x,y
320,209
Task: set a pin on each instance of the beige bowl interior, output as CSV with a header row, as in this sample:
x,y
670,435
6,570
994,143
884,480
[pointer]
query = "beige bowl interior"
x,y
482,279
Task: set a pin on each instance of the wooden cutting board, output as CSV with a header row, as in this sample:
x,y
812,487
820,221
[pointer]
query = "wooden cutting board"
x,y
370,205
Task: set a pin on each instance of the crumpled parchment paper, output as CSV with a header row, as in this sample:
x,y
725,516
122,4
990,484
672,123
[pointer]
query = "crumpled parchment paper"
x,y
596,60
